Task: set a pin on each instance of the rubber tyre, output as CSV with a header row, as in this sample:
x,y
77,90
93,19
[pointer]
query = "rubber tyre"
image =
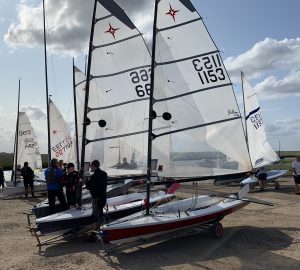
x,y
217,230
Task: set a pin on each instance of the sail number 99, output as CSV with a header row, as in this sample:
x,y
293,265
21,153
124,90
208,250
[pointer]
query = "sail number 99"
x,y
209,68
141,82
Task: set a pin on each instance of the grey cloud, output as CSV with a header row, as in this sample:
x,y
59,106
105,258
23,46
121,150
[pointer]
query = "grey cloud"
x,y
34,113
267,55
271,88
68,23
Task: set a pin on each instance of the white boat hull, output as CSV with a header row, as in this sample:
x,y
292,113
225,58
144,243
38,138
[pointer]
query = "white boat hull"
x,y
271,177
169,217
116,207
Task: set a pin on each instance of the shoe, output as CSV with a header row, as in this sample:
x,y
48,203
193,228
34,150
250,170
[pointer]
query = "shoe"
x,y
93,238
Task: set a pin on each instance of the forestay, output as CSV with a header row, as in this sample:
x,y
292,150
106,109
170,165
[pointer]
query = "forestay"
x,y
28,149
201,128
261,152
61,139
118,102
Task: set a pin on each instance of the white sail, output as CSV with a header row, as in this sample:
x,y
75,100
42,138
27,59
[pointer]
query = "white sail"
x,y
28,149
261,152
118,104
191,86
61,139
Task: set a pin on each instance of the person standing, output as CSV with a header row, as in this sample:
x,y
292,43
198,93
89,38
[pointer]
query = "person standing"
x,y
53,177
2,179
262,178
28,175
70,180
296,174
97,185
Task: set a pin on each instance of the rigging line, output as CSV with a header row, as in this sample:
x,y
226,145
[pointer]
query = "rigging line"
x,y
186,58
192,92
179,25
120,72
198,126
117,105
116,42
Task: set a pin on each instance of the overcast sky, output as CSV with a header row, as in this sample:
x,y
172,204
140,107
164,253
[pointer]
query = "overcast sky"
x,y
259,37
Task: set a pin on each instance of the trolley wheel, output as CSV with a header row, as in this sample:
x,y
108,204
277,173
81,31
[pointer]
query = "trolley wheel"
x,y
277,185
217,230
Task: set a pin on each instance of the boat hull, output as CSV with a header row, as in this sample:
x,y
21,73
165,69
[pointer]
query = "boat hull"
x,y
271,177
42,209
77,218
156,224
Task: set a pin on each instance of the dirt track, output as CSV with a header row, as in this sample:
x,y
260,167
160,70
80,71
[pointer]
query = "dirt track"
x,y
256,237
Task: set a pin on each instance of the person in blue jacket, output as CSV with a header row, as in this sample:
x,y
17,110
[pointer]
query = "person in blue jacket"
x,y
53,177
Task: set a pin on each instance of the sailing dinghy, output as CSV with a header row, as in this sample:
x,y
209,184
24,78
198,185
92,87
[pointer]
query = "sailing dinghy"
x,y
118,189
192,111
260,150
26,149
117,207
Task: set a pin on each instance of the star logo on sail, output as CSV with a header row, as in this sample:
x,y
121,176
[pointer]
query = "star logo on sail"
x,y
112,30
172,12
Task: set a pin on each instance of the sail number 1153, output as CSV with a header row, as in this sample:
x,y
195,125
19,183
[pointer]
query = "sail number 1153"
x,y
209,68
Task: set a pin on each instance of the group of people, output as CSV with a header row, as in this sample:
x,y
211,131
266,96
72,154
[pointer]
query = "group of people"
x,y
71,179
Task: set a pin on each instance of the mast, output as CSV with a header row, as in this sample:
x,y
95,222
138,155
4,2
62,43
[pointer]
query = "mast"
x,y
246,132
87,88
46,80
75,114
17,137
150,135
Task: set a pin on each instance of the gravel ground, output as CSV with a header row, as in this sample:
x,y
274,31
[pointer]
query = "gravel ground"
x,y
256,237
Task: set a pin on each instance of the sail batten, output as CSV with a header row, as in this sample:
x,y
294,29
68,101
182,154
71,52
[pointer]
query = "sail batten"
x,y
185,59
178,25
121,72
117,105
192,92
122,40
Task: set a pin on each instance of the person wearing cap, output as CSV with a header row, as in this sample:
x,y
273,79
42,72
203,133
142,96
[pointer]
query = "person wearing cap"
x,y
97,185
28,176
296,174
53,177
70,180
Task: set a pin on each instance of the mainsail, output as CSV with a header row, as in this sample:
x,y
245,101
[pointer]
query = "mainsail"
x,y
193,93
61,139
197,128
261,152
28,149
118,86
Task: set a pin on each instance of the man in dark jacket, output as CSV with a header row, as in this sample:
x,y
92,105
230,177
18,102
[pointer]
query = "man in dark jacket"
x,y
2,179
28,176
53,176
70,180
97,185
